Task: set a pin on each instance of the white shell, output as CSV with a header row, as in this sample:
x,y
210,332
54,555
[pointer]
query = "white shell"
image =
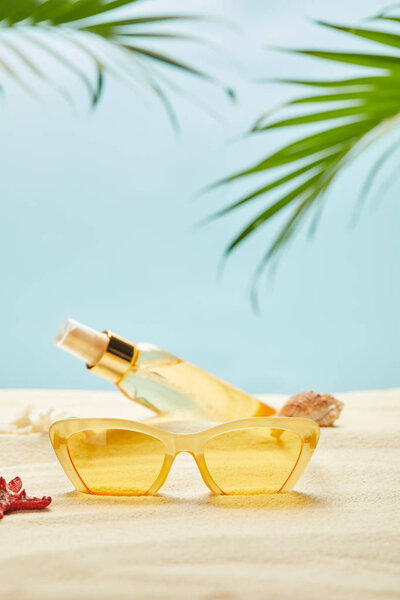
x,y
31,421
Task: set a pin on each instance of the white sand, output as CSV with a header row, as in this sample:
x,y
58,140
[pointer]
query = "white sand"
x,y
337,536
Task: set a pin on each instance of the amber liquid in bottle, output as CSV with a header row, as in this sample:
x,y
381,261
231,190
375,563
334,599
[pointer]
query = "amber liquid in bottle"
x,y
171,386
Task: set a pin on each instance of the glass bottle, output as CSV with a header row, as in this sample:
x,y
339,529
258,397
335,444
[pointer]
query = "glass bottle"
x,y
157,379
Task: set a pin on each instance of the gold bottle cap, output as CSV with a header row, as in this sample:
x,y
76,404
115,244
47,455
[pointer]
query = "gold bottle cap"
x,y
104,353
118,357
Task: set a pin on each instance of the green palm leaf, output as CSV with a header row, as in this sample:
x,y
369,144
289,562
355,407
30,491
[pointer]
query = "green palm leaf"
x,y
93,29
347,115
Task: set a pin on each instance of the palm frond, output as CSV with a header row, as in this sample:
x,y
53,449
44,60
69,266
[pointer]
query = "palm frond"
x,y
346,115
82,23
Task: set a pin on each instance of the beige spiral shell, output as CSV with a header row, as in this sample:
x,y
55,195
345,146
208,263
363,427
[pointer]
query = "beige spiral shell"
x,y
322,408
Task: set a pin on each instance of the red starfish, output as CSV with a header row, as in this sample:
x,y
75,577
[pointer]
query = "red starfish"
x,y
13,497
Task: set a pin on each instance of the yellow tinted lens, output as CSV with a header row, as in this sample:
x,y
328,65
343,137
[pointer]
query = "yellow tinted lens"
x,y
257,460
116,461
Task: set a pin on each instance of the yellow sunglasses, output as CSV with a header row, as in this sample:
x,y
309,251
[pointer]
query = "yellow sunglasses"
x,y
126,458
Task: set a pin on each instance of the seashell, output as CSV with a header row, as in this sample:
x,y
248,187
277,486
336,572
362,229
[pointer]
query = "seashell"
x,y
322,408
32,421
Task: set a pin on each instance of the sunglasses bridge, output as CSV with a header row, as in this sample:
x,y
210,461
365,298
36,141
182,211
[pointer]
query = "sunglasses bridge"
x,y
186,442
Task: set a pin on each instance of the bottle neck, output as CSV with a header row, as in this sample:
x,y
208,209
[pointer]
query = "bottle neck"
x,y
117,359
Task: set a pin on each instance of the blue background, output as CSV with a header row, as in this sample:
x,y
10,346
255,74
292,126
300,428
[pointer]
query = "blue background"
x,y
98,214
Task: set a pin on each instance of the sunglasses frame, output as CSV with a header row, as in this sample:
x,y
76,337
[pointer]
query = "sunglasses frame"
x,y
193,443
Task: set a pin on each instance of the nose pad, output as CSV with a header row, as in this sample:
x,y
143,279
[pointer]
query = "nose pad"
x,y
184,477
